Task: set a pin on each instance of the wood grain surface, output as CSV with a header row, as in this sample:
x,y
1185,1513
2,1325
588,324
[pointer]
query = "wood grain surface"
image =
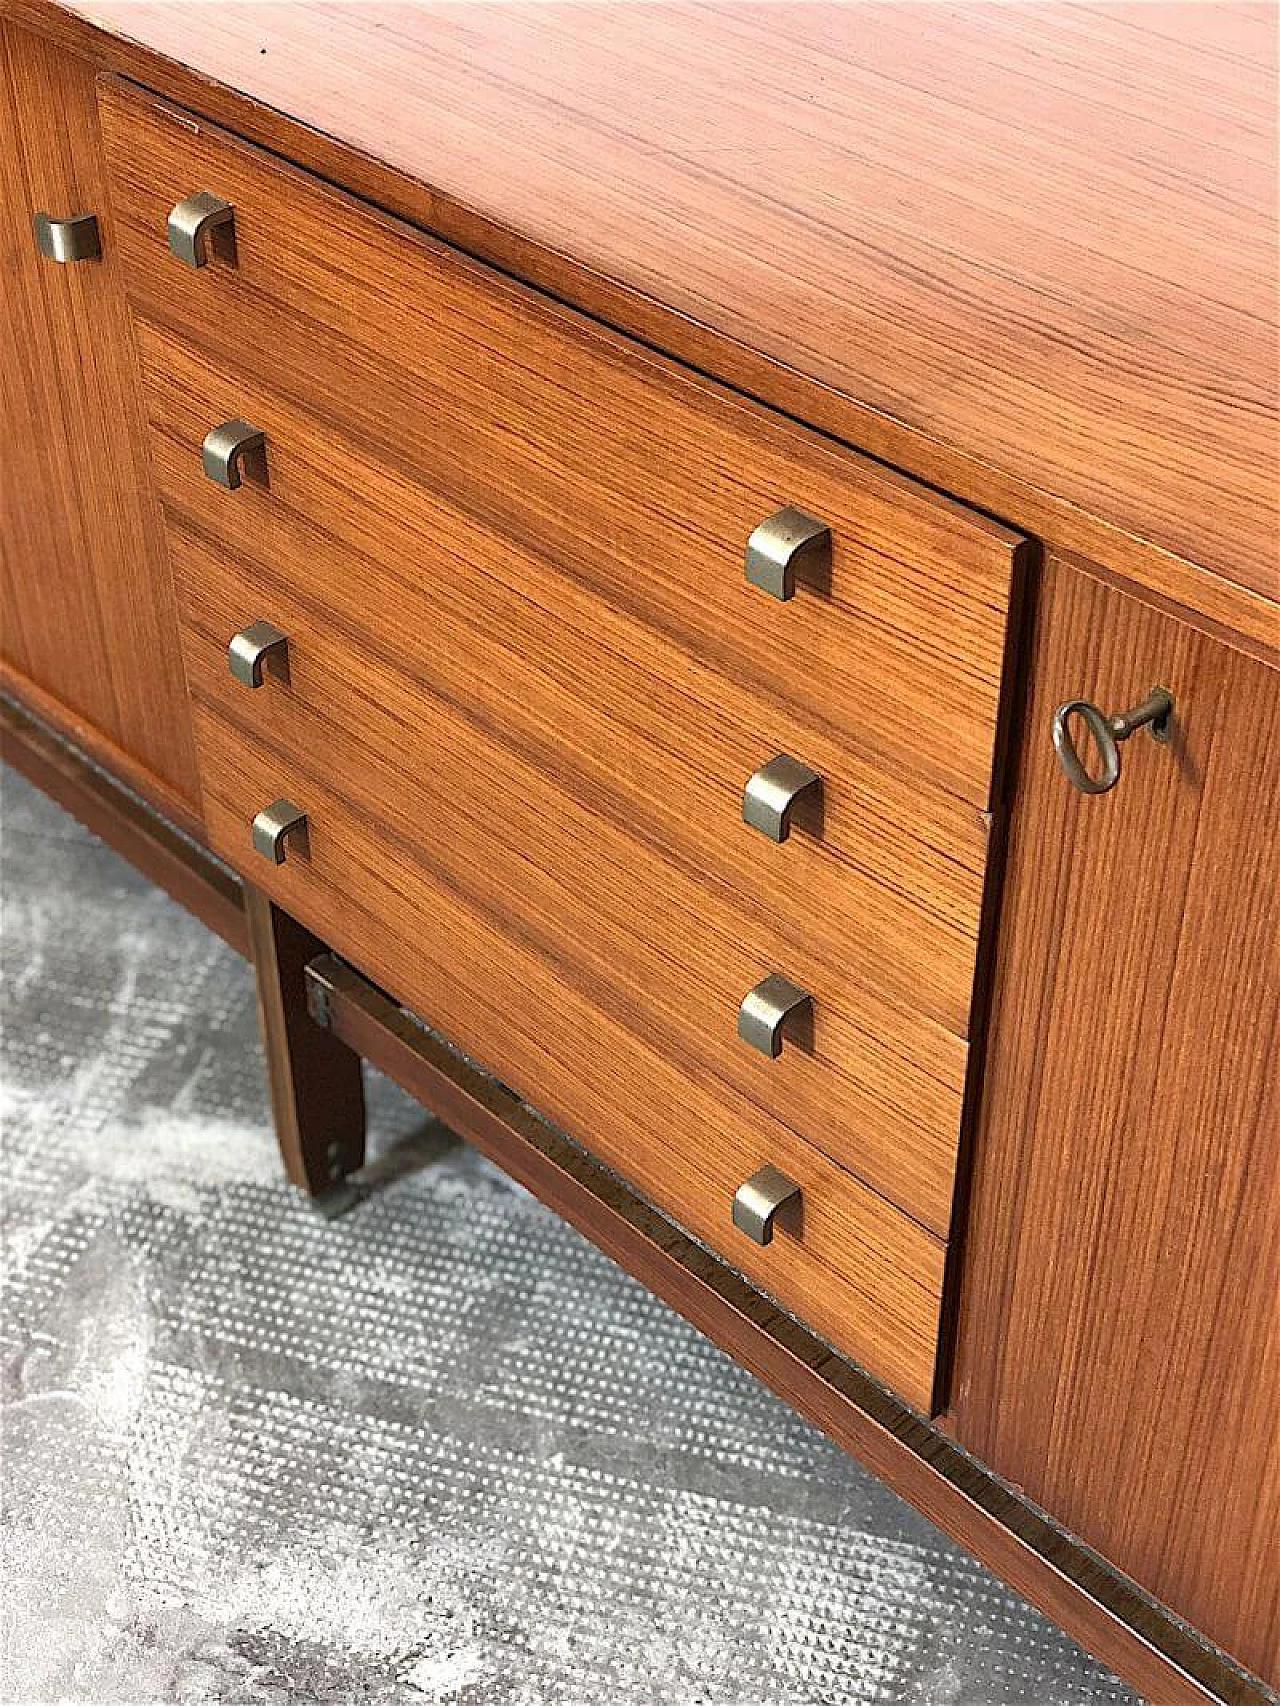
x,y
88,627
1026,252
640,478
388,588
864,1275
1119,1335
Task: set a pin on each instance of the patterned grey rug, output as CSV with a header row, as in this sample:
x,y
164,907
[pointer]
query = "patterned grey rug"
x,y
438,1450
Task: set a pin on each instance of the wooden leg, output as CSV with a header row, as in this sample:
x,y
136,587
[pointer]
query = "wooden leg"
x,y
317,1089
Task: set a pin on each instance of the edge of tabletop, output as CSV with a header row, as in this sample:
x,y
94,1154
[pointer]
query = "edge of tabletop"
x,y
1229,611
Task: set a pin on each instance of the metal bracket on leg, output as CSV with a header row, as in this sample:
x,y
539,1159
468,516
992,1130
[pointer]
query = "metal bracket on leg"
x,y
329,1205
318,995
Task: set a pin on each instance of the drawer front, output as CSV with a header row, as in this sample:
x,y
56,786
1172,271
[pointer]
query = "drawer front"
x,y
867,1277
641,480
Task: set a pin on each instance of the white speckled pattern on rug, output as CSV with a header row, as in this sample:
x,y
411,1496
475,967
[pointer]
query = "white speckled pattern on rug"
x,y
438,1450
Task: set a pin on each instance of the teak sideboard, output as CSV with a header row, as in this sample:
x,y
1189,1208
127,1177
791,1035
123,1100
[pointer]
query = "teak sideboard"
x,y
699,585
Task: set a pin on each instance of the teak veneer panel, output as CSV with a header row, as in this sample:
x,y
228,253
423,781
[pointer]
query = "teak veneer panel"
x,y
1119,1332
641,478
88,627
862,1274
1027,253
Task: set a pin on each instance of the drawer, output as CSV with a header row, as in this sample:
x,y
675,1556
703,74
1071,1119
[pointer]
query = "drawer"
x,y
639,479
865,1276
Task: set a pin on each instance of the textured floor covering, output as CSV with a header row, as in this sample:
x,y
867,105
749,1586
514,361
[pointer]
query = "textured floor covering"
x,y
439,1450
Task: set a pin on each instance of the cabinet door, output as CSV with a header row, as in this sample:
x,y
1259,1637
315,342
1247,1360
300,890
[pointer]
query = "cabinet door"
x,y
88,630
1118,1348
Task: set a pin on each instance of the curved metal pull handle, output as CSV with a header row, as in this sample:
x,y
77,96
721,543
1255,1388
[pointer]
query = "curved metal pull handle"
x,y
777,790
259,646
774,1007
202,225
1153,713
276,826
74,239
788,541
757,1204
233,450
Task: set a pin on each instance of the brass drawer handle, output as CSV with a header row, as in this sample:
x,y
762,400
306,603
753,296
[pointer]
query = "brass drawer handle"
x,y
788,541
276,826
1154,713
259,646
74,239
777,790
201,226
757,1204
774,1008
233,450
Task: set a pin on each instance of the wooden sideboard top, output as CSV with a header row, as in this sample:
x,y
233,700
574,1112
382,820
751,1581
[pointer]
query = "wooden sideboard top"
x,y
1028,253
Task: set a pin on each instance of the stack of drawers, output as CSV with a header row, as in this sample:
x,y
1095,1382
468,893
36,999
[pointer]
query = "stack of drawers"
x,y
522,618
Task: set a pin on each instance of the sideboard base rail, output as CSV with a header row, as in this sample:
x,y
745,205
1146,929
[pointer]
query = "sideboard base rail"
x,y
1141,1641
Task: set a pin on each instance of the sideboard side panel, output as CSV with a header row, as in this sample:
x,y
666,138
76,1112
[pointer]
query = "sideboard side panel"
x,y
1118,1347
89,621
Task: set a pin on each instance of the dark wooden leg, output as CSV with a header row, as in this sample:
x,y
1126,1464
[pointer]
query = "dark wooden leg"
x,y
317,1089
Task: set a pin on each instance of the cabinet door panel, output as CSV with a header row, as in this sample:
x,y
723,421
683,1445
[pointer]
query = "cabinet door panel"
x,y
88,631
1118,1348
